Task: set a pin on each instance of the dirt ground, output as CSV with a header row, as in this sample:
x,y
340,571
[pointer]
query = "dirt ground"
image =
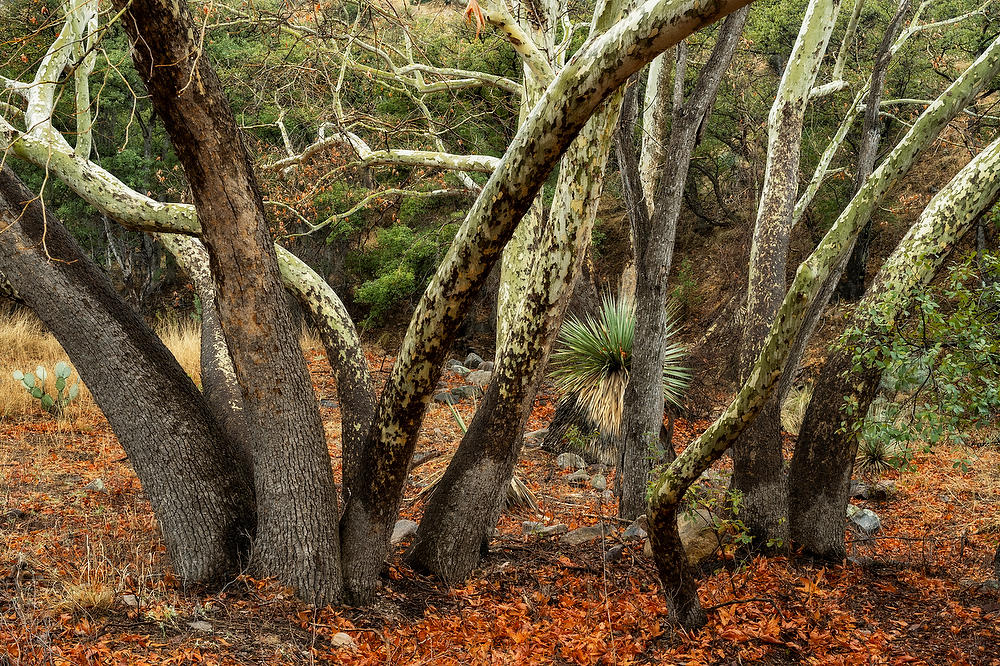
x,y
83,576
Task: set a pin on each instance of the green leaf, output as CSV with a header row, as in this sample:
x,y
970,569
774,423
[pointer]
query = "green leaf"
x,y
74,391
36,393
41,373
18,375
63,370
60,383
29,380
47,401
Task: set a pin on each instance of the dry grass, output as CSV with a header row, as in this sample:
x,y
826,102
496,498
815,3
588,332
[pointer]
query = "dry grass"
x,y
793,411
25,344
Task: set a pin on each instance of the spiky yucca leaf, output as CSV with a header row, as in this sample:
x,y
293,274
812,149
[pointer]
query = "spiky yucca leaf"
x,y
594,359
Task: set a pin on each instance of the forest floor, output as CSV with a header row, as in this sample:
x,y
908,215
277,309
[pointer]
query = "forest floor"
x,y
83,576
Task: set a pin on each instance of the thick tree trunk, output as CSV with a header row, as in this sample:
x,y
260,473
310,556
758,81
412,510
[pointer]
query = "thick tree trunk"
x,y
654,237
190,469
676,576
297,536
820,474
757,458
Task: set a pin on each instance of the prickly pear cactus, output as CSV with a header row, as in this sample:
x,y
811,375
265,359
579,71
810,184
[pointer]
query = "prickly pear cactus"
x,y
34,384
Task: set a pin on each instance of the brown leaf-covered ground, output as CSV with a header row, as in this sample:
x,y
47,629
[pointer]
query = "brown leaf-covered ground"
x,y
83,577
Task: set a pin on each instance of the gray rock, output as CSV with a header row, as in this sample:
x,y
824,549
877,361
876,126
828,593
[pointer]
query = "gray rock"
x,y
883,490
698,535
570,461
580,477
614,553
452,363
635,531
445,397
200,625
480,377
864,521
461,370
343,641
487,366
473,361
327,403
990,585
403,529
130,600
462,392
599,483
541,529
97,485
584,535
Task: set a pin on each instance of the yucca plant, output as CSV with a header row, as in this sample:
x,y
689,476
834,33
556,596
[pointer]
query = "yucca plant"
x,y
594,359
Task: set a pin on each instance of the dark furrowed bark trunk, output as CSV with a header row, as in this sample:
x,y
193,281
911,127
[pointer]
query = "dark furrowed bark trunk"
x,y
820,474
759,476
466,505
297,536
189,468
675,572
654,239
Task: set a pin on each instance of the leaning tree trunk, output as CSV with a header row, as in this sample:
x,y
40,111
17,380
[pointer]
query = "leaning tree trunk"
x,y
193,473
297,536
655,234
810,277
757,458
819,478
588,79
466,505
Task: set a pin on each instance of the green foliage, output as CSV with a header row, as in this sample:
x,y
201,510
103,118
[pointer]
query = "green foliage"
x,y
397,268
683,292
940,367
594,359
34,384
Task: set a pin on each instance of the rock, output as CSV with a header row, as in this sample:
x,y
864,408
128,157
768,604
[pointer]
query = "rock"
x,y
637,530
599,483
883,490
480,378
403,529
647,548
270,639
614,553
452,363
608,495
584,535
698,532
859,489
473,361
131,601
461,370
486,367
200,625
343,641
445,397
327,403
97,485
541,529
462,392
990,585
570,461
579,477
864,521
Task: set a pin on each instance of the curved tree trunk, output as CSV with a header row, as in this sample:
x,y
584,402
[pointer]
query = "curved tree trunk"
x,y
603,65
757,458
297,536
655,236
465,507
190,469
819,478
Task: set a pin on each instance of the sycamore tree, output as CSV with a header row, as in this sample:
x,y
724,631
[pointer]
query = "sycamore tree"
x,y
262,490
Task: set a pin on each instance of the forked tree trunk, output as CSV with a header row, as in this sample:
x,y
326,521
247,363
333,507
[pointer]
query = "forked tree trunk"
x,y
655,234
191,471
819,478
297,537
758,473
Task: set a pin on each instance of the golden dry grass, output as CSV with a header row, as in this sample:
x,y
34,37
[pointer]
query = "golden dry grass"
x,y
25,344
